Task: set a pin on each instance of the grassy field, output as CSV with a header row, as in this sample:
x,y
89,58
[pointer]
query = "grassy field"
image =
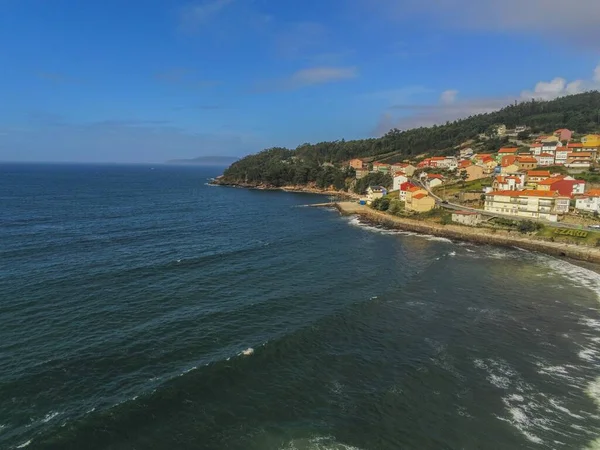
x,y
454,189
578,237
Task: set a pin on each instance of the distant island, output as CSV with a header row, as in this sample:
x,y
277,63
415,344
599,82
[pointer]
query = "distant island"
x,y
206,161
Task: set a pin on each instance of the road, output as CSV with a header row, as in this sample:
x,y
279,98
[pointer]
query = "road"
x,y
455,207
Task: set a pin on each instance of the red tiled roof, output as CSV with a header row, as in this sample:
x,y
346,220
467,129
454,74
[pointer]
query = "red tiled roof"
x,y
508,150
593,193
538,173
419,196
526,159
435,175
547,155
406,185
535,146
414,189
526,193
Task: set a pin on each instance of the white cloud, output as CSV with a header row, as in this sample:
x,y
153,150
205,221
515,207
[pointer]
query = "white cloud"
x,y
321,75
193,16
559,87
449,97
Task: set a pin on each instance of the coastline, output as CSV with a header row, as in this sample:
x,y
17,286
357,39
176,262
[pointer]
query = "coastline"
x,y
471,234
289,188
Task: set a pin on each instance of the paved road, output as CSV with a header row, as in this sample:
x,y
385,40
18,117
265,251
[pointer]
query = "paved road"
x,y
453,206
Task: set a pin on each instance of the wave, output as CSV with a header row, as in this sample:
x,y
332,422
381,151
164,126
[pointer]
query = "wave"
x,y
317,443
355,221
575,274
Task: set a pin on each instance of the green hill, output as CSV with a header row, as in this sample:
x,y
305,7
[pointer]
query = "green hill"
x,y
310,163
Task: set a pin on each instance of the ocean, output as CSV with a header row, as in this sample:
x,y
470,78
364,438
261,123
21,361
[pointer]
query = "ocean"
x,y
141,308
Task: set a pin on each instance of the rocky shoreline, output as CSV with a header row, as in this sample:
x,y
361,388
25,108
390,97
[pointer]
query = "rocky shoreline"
x,y
291,188
476,235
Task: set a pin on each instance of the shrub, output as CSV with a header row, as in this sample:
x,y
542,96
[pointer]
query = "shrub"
x,y
446,219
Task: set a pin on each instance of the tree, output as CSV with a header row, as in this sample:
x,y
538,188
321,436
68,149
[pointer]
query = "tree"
x,y
279,166
463,175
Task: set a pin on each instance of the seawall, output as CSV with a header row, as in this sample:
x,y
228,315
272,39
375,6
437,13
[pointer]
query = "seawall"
x,y
472,234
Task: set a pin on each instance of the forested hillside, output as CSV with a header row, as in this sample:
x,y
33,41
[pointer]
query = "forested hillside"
x,y
311,162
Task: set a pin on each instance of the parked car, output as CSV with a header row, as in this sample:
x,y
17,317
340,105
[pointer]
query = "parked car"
x,y
594,227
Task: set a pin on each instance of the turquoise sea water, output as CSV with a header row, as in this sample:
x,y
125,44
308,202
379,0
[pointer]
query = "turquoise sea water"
x,y
128,294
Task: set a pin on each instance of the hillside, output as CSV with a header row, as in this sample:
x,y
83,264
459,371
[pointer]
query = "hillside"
x,y
312,163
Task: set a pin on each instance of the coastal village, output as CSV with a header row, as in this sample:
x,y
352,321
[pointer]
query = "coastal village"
x,y
545,179
549,180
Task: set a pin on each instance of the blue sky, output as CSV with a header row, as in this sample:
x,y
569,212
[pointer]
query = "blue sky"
x,y
147,81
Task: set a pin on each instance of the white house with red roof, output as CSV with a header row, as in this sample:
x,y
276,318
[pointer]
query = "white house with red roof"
x,y
561,155
532,204
434,180
535,149
545,159
589,202
399,178
404,187
508,183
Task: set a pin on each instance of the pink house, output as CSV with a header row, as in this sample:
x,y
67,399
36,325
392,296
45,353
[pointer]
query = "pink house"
x,y
563,134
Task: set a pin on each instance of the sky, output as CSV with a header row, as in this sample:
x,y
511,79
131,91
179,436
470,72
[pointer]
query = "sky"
x,y
152,80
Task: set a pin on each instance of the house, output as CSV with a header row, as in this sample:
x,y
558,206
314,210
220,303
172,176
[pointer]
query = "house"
x,y
504,151
399,178
535,176
361,173
396,168
474,172
575,146
508,160
591,140
563,134
479,157
418,200
357,164
381,167
566,186
375,192
465,152
509,169
550,147
508,183
535,149
500,130
579,160
443,162
548,139
561,155
469,218
526,162
520,128
589,202
532,204
545,159
464,164
404,187
488,164
408,169
434,180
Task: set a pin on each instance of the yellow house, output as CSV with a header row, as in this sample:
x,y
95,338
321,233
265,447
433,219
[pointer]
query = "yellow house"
x,y
591,140
513,168
418,200
474,172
